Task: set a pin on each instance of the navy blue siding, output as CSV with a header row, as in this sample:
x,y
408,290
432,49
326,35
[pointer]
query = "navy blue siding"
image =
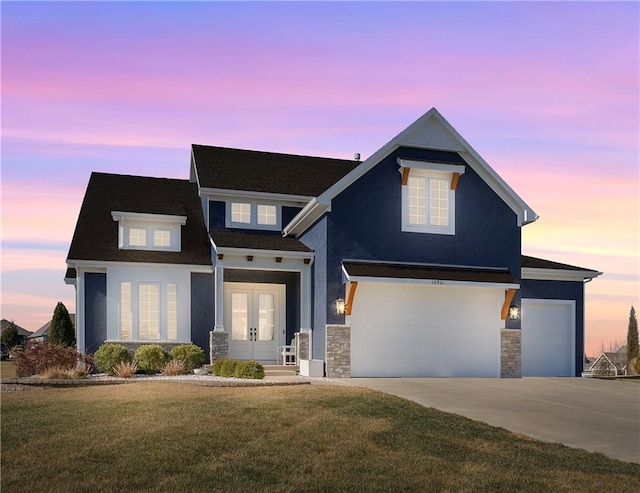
x,y
561,290
95,310
316,238
288,213
201,309
365,223
290,279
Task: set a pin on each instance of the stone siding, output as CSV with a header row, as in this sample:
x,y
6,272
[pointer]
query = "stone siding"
x,y
218,345
510,353
338,347
301,345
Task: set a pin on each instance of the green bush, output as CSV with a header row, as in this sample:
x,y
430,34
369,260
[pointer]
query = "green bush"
x,y
249,369
636,365
109,355
150,358
224,367
192,356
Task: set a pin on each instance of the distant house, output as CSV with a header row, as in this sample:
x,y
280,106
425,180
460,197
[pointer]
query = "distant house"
x,y
611,364
22,333
42,334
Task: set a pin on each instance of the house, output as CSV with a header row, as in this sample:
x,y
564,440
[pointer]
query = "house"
x,y
405,264
23,334
610,364
42,334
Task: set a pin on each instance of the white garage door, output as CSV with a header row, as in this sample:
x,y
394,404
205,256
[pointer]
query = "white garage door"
x,y
548,338
407,330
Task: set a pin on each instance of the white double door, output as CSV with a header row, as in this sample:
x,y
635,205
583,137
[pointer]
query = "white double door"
x,y
255,319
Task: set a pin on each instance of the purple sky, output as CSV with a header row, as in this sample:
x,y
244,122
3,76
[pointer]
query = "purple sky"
x,y
546,92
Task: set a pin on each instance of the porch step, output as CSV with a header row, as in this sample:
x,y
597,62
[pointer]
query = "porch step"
x,y
281,370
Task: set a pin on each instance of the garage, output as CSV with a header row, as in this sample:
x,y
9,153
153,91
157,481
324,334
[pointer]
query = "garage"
x,y
548,338
425,328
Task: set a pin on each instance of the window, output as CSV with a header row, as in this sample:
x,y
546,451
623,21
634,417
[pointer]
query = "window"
x,y
267,214
172,312
162,238
253,216
125,310
241,213
137,237
149,311
428,203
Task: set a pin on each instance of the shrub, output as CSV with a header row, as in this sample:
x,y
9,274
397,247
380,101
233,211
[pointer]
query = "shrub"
x,y
38,358
150,358
173,367
10,335
192,356
57,373
224,367
636,365
249,369
125,369
109,355
62,330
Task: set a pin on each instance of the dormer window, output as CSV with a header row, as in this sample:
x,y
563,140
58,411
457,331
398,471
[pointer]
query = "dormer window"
x,y
137,231
250,215
428,196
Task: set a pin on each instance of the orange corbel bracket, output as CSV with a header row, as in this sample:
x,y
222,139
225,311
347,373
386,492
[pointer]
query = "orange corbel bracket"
x,y
508,298
405,175
351,293
454,181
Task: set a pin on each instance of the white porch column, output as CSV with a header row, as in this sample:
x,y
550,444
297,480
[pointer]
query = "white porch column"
x,y
219,296
305,304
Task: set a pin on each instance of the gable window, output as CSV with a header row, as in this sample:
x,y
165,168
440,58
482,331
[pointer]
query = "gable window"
x,y
428,198
250,215
139,231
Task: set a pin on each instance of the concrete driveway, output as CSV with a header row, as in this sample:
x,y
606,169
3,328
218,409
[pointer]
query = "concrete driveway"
x,y
596,415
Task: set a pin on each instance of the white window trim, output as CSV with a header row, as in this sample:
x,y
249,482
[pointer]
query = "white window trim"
x,y
426,228
253,224
150,223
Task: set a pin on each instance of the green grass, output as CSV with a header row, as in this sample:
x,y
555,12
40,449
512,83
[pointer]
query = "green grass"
x,y
154,437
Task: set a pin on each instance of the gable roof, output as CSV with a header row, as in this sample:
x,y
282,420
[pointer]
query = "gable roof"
x,y
96,234
4,323
223,168
44,330
431,131
537,268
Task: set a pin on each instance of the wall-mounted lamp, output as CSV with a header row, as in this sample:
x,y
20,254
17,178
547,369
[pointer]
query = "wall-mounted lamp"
x,y
340,306
514,312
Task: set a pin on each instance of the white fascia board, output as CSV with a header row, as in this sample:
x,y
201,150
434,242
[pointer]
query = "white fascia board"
x,y
194,170
433,282
243,252
428,166
226,195
306,217
558,274
97,266
156,218
264,263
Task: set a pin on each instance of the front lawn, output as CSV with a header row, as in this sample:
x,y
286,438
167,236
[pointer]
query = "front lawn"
x,y
181,437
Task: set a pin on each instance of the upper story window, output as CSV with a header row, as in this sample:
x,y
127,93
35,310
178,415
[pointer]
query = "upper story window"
x,y
138,231
251,215
428,197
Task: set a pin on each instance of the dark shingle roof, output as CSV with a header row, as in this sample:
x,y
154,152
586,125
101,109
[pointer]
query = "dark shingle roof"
x,y
424,271
96,233
4,323
539,263
258,241
257,171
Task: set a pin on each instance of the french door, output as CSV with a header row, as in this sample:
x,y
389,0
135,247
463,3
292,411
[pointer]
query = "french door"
x,y
255,319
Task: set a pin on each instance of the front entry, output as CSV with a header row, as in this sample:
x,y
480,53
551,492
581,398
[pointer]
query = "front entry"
x,y
255,319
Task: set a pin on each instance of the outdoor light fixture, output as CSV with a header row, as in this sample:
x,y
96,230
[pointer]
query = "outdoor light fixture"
x,y
340,306
514,312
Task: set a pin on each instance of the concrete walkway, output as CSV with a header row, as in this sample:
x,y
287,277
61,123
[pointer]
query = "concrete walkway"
x,y
596,415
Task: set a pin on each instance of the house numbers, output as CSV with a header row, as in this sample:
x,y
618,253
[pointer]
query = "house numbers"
x,y
437,282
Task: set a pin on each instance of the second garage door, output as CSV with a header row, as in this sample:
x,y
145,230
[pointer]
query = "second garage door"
x,y
406,330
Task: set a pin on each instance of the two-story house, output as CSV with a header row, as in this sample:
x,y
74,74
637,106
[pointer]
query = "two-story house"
x,y
406,264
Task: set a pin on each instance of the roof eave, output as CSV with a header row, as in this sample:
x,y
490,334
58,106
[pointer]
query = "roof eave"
x,y
306,217
532,273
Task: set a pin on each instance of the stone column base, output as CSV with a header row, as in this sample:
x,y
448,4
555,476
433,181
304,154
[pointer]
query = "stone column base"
x,y
218,345
510,353
301,345
338,351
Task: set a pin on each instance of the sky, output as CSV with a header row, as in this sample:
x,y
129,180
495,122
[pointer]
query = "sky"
x,y
546,92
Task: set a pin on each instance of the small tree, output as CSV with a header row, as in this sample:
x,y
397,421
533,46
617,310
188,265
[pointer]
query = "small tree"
x,y
10,335
632,337
62,330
